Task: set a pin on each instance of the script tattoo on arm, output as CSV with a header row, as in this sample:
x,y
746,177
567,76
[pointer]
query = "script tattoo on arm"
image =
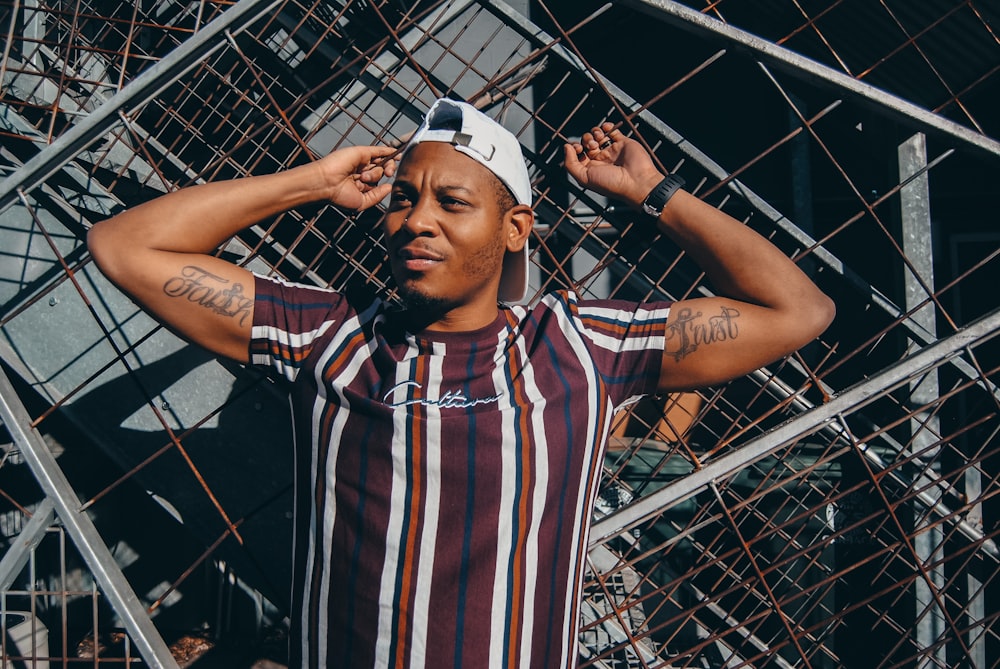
x,y
689,330
210,291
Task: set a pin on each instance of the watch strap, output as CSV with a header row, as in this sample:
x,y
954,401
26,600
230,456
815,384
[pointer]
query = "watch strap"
x,y
658,197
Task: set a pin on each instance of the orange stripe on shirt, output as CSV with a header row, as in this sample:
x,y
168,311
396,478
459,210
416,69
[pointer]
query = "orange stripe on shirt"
x,y
410,550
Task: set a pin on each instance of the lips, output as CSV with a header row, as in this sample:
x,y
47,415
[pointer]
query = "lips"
x,y
418,258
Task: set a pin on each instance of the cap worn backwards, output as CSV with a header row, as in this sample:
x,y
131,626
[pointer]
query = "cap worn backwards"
x,y
494,147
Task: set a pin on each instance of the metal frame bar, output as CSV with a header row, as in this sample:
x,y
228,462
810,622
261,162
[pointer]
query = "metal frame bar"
x,y
806,68
826,414
144,87
17,555
81,528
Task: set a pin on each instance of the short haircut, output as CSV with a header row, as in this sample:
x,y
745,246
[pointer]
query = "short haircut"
x,y
505,199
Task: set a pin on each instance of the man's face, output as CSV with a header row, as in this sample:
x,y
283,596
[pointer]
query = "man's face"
x,y
445,230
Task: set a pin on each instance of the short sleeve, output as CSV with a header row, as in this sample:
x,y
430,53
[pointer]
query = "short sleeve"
x,y
626,341
288,319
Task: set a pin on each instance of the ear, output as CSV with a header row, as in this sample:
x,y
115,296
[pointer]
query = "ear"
x,y
519,221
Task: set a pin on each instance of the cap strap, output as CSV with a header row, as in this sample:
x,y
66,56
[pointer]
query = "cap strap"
x,y
468,141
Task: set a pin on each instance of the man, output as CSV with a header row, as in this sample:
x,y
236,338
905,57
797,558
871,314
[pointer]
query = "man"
x,y
448,453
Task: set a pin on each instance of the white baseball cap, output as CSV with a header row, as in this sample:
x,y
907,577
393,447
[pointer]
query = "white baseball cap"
x,y
494,147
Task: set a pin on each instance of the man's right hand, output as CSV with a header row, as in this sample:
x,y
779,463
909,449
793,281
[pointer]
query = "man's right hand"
x,y
353,174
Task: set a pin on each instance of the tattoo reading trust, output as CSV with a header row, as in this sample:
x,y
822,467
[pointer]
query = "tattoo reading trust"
x,y
688,331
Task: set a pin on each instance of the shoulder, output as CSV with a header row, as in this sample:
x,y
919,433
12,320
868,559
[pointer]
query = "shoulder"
x,y
277,299
601,313
275,287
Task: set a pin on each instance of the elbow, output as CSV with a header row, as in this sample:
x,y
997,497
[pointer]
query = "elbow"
x,y
98,243
109,247
827,311
804,320
817,315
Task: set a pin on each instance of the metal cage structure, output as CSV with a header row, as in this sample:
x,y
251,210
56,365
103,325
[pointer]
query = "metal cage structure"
x,y
836,509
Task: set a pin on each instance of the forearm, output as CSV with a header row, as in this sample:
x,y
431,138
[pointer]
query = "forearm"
x,y
200,218
738,262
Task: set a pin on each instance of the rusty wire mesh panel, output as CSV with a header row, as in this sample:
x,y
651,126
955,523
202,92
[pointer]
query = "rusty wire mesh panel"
x,y
65,59
835,509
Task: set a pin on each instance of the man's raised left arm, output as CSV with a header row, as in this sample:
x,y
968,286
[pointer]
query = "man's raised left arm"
x,y
766,306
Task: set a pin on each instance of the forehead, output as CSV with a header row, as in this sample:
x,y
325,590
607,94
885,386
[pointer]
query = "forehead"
x,y
440,161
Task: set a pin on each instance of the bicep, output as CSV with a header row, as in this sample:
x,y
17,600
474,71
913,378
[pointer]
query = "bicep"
x,y
206,300
713,340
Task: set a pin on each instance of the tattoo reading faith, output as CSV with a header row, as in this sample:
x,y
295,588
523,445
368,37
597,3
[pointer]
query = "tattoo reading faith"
x,y
689,331
210,291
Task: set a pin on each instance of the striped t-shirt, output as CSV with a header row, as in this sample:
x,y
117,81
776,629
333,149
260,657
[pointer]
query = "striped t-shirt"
x,y
445,481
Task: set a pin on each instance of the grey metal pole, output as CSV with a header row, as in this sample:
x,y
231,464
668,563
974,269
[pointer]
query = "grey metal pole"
x,y
918,279
86,538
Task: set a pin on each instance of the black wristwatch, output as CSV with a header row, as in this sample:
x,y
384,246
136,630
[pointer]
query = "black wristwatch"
x,y
657,198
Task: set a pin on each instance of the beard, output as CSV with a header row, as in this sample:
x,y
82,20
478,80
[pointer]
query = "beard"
x,y
420,302
475,269
485,262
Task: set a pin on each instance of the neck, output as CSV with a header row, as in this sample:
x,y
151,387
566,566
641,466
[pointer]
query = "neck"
x,y
420,319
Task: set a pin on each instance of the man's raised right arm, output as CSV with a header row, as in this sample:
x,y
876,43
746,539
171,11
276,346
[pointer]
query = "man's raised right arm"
x,y
161,252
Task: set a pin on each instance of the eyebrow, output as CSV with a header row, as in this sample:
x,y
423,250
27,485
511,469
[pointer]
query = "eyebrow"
x,y
450,189
446,188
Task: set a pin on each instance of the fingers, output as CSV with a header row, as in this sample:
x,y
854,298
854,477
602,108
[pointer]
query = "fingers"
x,y
596,145
575,161
373,196
372,174
379,151
602,135
385,155
377,162
599,139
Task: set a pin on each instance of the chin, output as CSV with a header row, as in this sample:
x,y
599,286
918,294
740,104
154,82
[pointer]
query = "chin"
x,y
418,300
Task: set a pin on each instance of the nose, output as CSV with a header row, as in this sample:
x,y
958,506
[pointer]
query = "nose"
x,y
419,220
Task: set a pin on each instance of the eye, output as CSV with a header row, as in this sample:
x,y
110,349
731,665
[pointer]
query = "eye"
x,y
399,200
450,202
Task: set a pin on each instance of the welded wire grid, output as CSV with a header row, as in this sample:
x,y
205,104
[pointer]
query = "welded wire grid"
x,y
835,509
40,618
